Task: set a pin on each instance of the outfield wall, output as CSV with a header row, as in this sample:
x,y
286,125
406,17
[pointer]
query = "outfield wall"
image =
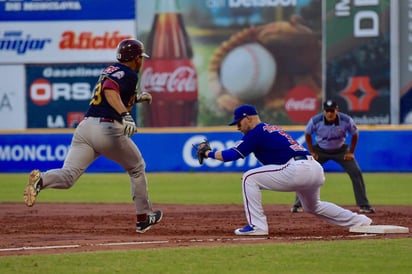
x,y
380,149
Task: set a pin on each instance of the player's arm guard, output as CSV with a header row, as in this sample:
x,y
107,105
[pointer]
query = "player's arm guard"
x,y
143,97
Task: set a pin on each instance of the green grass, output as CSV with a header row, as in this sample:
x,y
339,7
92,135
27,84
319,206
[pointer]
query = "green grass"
x,y
362,256
349,256
208,188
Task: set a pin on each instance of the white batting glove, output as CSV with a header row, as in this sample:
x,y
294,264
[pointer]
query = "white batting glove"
x,y
129,126
144,97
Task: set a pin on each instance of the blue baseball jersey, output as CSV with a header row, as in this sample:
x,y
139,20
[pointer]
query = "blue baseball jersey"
x,y
126,80
332,135
270,144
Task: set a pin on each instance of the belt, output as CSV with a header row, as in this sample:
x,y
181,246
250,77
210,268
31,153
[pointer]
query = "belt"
x,y
300,157
100,119
341,149
106,120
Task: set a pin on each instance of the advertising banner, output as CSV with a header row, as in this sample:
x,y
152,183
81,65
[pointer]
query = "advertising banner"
x,y
357,57
24,152
47,31
207,57
58,95
65,10
12,106
405,66
62,42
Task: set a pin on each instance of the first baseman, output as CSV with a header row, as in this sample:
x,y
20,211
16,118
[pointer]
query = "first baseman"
x,y
106,130
286,166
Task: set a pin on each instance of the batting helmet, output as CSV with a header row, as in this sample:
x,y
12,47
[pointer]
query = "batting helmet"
x,y
128,49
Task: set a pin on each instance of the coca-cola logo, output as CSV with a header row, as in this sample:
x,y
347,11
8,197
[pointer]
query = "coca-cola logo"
x,y
182,79
301,103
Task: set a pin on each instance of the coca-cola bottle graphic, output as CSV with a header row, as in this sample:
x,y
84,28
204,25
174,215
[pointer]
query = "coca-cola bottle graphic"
x,y
169,74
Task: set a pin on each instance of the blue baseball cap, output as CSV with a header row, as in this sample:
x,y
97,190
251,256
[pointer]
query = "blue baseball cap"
x,y
241,112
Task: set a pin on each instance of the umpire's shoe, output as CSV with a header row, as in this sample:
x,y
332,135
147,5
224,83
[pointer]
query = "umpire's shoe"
x,y
33,187
366,209
151,219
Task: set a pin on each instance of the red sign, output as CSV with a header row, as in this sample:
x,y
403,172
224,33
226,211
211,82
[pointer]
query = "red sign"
x,y
359,84
301,103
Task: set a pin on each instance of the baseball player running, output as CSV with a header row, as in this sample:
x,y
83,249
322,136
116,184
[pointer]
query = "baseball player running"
x,y
106,130
330,129
287,167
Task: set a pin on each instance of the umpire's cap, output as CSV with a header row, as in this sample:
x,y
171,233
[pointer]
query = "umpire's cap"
x,y
128,49
241,112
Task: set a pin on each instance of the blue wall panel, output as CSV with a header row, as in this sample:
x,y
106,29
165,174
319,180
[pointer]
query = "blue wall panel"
x,y
377,151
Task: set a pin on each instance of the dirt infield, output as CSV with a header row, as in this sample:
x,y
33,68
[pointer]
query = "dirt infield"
x,y
54,228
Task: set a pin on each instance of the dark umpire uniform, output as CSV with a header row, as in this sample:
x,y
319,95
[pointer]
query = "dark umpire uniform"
x,y
330,129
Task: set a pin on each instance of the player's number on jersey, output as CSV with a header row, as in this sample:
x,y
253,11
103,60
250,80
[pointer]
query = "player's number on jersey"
x,y
97,94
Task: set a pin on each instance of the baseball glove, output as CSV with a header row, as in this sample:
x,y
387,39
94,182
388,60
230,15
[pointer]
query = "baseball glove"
x,y
201,150
295,47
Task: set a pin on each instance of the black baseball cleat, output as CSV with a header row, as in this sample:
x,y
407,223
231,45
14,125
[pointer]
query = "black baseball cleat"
x,y
151,219
296,209
366,209
32,188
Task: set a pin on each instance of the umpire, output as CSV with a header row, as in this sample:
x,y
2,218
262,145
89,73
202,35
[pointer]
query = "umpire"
x,y
330,129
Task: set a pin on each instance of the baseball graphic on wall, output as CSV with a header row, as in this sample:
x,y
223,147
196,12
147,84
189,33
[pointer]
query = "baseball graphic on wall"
x,y
248,71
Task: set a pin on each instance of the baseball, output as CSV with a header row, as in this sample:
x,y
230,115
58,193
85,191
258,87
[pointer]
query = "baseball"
x,y
248,71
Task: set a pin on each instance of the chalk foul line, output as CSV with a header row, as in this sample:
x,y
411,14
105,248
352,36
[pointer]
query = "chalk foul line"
x,y
46,247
